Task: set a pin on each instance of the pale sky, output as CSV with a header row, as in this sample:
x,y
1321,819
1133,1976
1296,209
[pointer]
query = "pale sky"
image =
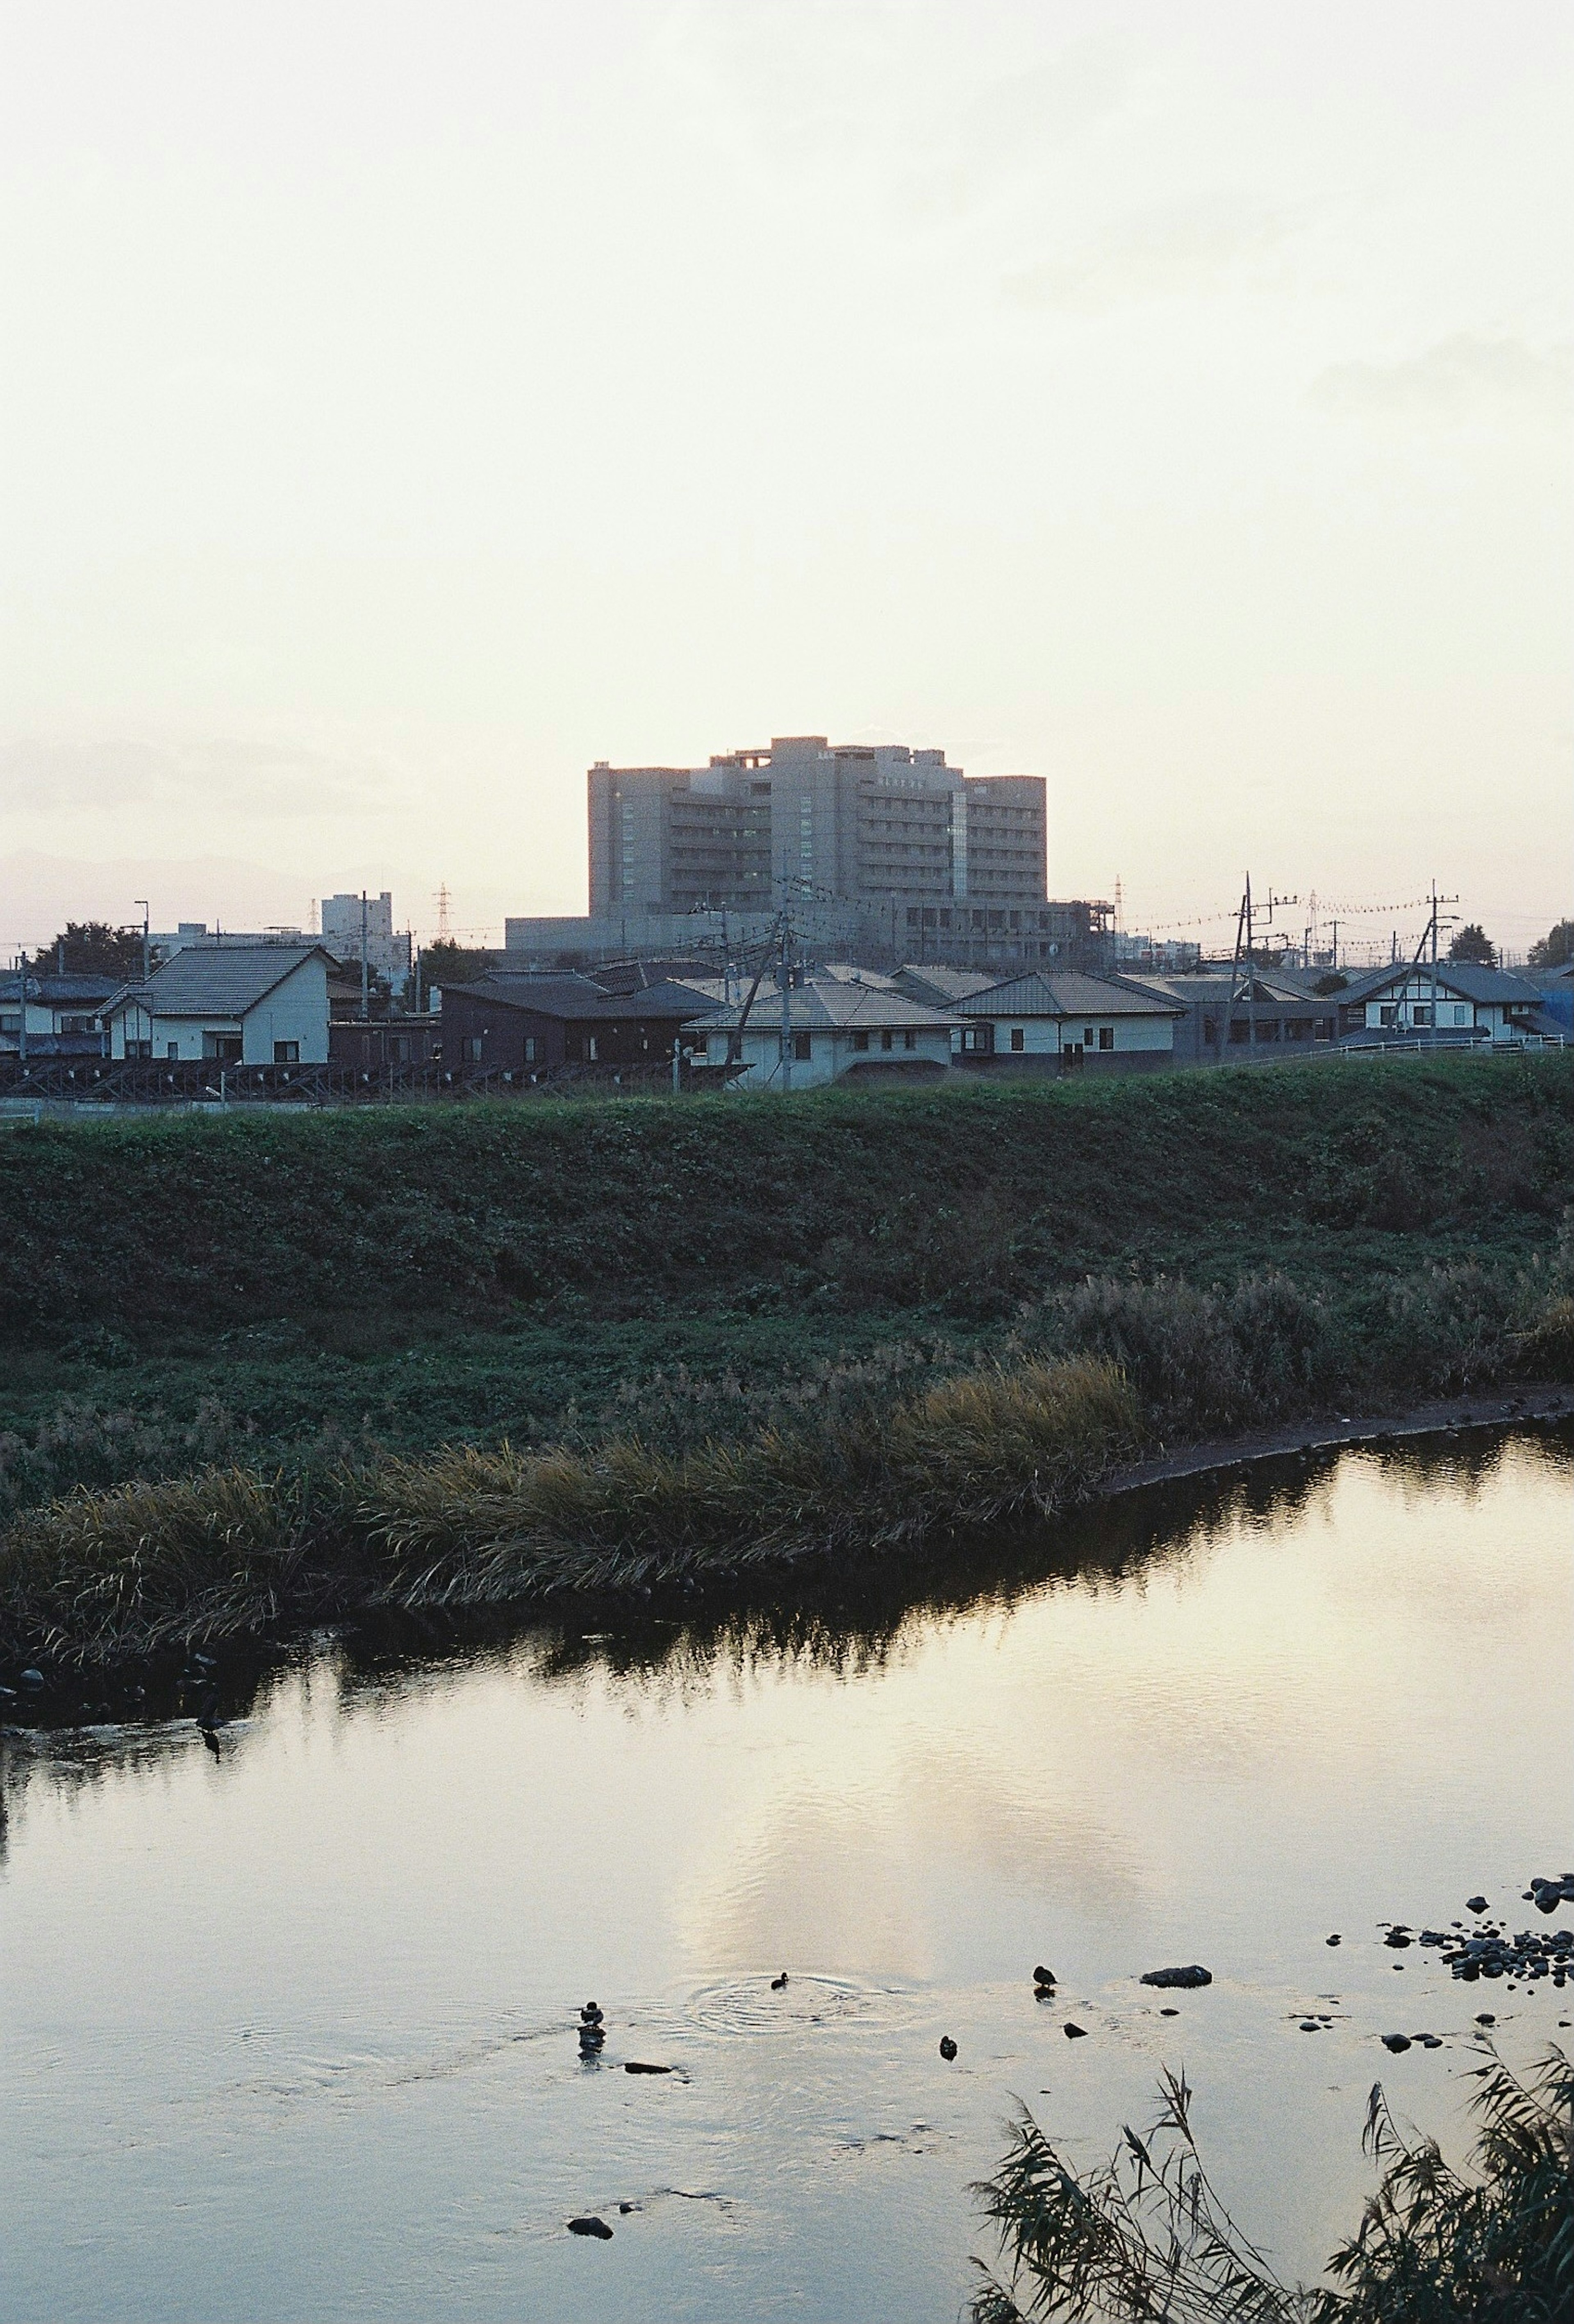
x,y
405,405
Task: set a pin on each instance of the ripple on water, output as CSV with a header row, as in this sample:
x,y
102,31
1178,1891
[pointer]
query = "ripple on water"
x,y
747,2005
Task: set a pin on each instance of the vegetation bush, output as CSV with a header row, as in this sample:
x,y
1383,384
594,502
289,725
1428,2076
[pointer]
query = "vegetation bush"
x,y
1146,2236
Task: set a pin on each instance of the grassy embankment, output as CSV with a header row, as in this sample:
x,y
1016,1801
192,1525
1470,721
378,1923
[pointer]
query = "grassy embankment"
x,y
261,1368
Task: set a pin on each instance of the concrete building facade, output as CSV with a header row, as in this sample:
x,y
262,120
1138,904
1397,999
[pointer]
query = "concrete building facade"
x,y
876,826
387,947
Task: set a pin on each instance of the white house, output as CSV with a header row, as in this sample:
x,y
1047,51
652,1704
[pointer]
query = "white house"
x,y
1470,1003
840,1028
262,1004
1044,1022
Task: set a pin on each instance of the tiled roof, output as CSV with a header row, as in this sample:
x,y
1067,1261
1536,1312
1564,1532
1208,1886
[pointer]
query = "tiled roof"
x,y
217,980
825,1004
1074,994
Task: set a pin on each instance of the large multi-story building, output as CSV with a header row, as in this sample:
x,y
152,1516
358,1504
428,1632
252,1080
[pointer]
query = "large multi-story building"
x,y
351,921
878,826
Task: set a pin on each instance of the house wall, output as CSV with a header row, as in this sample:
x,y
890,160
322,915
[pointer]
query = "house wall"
x,y
295,1011
1146,1040
832,1053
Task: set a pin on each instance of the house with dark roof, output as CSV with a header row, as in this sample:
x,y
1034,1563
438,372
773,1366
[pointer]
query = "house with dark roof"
x,y
532,1026
252,1004
1279,1016
1046,1022
65,1013
839,1028
1459,1000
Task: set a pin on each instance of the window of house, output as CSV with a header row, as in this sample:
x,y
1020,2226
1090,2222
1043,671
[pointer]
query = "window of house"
x,y
1107,1036
1087,1036
802,1049
1018,1037
286,1053
910,1040
1421,1013
591,1051
1323,1029
860,1040
171,1051
1209,1032
1461,1012
887,1038
471,1048
1387,1014
1298,1028
1240,1029
139,1050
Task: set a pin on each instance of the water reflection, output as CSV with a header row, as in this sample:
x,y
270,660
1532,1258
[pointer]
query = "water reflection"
x,y
290,2031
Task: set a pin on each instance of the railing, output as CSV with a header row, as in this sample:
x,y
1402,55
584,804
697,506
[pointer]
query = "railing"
x,y
205,1083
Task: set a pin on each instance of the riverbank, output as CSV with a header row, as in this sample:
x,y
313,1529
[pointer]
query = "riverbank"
x,y
662,1342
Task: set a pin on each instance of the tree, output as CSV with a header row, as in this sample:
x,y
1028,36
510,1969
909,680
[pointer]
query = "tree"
x,y
91,948
1556,948
1333,982
451,964
1473,943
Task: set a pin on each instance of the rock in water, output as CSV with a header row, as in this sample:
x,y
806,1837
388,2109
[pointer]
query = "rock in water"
x,y
1193,1975
948,2048
638,2066
1396,2043
1074,2033
1475,1903
590,2225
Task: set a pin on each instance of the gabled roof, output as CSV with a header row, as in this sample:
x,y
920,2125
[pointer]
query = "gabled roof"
x,y
1073,995
1465,977
217,980
949,986
578,1000
825,1004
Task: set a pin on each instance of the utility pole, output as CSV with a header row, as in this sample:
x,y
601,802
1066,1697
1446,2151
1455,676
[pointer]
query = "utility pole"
x,y
22,1011
1336,958
366,977
146,953
786,1002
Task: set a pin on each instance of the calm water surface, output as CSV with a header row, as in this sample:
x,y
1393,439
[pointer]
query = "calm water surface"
x,y
289,2032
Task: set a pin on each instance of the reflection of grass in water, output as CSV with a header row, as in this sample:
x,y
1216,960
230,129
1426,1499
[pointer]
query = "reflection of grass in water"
x,y
234,1550
1144,2236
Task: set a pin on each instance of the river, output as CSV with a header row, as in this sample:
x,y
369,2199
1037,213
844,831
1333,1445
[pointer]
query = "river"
x,y
290,2029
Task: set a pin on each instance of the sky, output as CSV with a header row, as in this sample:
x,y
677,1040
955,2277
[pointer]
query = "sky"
x,y
405,405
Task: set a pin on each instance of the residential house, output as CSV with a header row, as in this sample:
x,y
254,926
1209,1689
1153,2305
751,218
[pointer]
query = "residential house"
x,y
532,1026
840,1028
263,1004
1278,1017
1457,1001
1048,1023
928,982
65,1013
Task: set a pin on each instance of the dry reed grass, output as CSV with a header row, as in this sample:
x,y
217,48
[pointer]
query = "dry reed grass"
x,y
95,1575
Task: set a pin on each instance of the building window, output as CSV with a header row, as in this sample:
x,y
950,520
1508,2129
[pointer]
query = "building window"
x,y
143,1049
801,1050
171,1051
910,1040
1209,1032
1461,1013
1421,1013
471,1048
860,1040
1018,1039
286,1053
887,1038
1107,1036
529,1048
1387,1014
591,1051
1087,1036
